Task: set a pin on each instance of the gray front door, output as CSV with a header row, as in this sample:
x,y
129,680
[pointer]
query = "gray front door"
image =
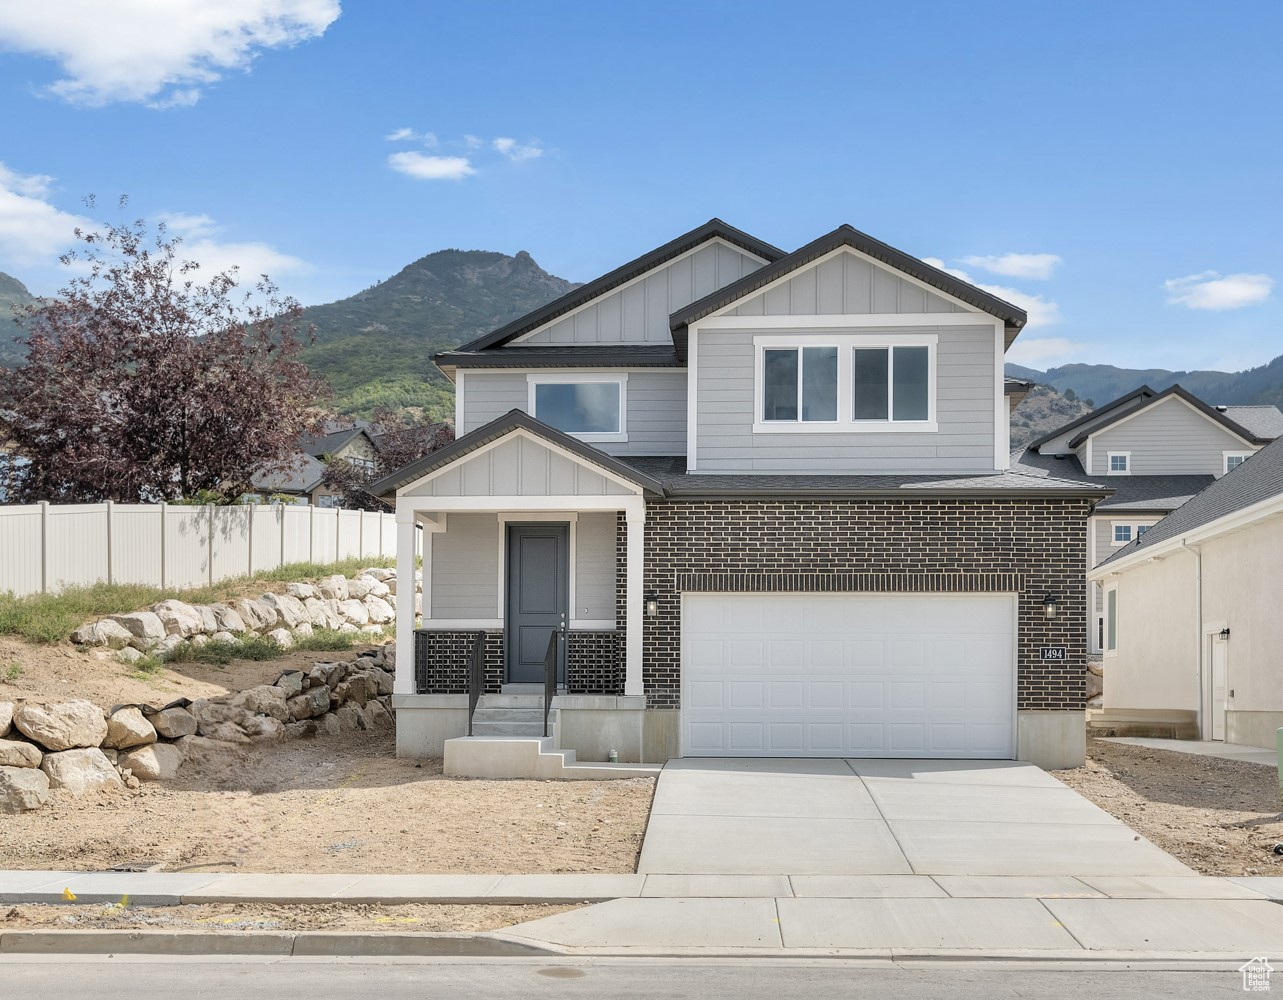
x,y
538,599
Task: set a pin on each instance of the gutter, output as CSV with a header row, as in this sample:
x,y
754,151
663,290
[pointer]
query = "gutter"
x,y
1198,625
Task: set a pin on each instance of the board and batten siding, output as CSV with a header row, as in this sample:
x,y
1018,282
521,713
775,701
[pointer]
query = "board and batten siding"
x,y
844,285
517,466
965,389
655,416
465,568
638,313
1167,439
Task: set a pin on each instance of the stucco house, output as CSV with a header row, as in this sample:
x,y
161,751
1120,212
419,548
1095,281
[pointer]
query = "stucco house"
x,y
763,501
350,440
1156,450
1193,630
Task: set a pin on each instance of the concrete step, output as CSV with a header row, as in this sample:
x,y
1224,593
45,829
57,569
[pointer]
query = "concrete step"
x,y
527,701
534,729
509,715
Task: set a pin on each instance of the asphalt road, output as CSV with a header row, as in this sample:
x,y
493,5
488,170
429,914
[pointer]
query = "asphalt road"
x,y
65,978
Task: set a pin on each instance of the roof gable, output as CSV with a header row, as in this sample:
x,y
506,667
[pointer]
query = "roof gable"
x,y
1141,404
1095,416
846,236
714,228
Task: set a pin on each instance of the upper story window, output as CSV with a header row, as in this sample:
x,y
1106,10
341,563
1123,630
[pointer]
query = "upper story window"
x,y
590,407
1233,459
1122,534
1120,463
845,383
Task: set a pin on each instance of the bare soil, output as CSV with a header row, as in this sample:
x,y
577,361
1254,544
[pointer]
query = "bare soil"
x,y
336,804
1220,817
273,917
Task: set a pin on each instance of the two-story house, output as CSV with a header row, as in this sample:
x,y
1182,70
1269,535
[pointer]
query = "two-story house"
x,y
764,501
349,440
1157,450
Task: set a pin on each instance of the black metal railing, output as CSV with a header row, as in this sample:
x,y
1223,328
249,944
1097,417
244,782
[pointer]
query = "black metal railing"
x,y
476,675
550,659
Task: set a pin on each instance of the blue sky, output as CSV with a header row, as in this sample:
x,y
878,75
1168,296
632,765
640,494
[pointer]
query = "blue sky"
x,y
1113,167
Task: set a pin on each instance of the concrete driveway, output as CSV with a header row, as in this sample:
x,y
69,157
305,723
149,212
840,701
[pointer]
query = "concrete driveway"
x,y
884,818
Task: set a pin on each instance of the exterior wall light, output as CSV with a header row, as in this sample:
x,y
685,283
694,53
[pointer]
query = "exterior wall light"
x,y
1049,606
1225,633
652,604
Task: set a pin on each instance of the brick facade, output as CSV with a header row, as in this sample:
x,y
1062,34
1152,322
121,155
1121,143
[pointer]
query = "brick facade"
x,y
442,656
1028,546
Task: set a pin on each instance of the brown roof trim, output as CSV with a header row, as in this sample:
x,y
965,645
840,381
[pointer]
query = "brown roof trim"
x,y
1100,411
497,428
845,235
646,262
1176,390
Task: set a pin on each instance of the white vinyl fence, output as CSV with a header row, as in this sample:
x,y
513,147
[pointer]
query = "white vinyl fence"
x,y
45,547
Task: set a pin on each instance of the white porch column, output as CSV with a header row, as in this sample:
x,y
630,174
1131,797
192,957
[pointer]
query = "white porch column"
x,y
405,589
635,517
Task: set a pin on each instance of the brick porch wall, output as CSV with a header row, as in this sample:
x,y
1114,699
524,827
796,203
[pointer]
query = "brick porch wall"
x,y
1029,546
441,658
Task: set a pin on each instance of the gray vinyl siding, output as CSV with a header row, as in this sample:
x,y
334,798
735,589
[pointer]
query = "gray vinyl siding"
x,y
595,567
518,466
465,568
1169,439
655,414
964,409
638,313
845,285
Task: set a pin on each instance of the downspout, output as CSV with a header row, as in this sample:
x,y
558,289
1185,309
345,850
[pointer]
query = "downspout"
x,y
1198,625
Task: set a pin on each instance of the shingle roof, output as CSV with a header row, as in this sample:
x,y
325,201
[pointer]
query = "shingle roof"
x,y
1263,421
621,355
1151,494
1215,414
1259,478
304,477
671,472
333,437
584,293
845,235
1143,392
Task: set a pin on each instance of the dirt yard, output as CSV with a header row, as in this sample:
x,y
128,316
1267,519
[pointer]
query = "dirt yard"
x,y
1220,817
266,917
337,804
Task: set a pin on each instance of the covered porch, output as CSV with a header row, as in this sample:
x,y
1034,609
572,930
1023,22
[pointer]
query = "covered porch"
x,y
524,534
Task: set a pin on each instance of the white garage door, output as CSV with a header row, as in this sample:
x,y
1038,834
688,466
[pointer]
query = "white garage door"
x,y
851,675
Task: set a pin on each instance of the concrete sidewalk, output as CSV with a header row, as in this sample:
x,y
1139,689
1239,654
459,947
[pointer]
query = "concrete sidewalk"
x,y
1202,748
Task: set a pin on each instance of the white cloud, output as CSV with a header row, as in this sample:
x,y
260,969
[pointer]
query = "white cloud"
x,y
1214,291
431,168
1018,265
1045,352
32,231
428,139
516,151
158,52
200,244
1042,311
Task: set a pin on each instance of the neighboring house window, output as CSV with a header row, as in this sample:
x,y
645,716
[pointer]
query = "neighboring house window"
x,y
1111,619
800,383
366,464
329,500
1122,534
1233,459
1120,463
845,382
590,407
1142,528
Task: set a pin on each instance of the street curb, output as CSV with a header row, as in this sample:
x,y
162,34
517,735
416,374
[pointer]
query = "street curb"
x,y
279,943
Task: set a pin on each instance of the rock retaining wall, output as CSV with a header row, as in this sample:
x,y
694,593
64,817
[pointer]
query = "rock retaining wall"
x,y
78,747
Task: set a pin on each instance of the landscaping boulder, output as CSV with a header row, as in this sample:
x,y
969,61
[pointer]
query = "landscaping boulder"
x,y
1095,685
333,588
328,725
200,746
174,723
224,637
303,629
62,726
379,610
289,610
378,573
391,585
130,655
351,717
198,640
355,613
209,714
224,732
290,683
23,788
347,627
153,763
103,633
359,688
80,771
310,704
302,591
254,615
328,674
384,681
168,646
227,619
378,716
378,589
127,728
6,717
264,727
18,753
283,637
179,619
358,588
145,625
262,700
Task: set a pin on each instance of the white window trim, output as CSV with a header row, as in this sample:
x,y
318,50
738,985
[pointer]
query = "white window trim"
x,y
845,423
1227,455
1113,533
1106,651
575,378
1109,463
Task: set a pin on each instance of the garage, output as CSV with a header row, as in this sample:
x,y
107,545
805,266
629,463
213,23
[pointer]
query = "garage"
x,y
848,675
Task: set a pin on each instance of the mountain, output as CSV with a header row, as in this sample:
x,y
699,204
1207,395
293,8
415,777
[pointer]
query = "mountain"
x,y
1101,383
1041,412
13,297
375,346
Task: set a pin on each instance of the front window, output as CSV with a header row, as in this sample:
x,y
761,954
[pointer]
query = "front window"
x,y
1111,620
1122,534
800,384
588,408
891,383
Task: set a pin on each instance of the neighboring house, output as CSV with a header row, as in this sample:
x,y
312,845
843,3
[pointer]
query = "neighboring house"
x,y
1156,450
765,498
350,440
1193,630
